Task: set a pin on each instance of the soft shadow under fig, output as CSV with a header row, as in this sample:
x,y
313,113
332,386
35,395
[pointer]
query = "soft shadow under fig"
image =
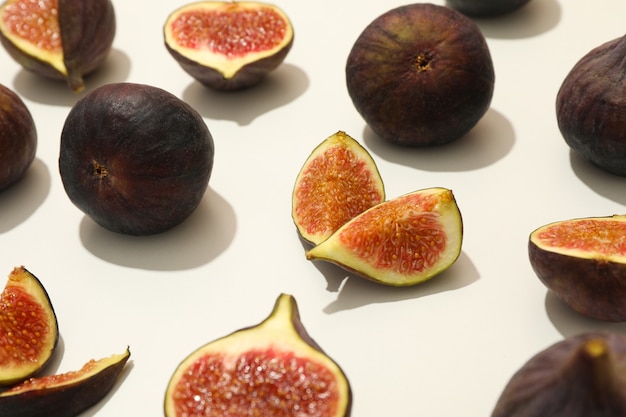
x,y
568,322
21,200
201,238
56,92
279,88
357,292
533,19
602,182
489,141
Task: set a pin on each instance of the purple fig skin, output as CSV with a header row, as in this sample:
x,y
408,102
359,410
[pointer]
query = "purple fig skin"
x,y
421,75
135,158
580,376
591,107
18,138
486,8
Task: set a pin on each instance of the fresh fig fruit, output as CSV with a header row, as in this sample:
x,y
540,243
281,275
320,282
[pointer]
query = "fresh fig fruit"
x,y
580,376
400,242
135,158
338,180
29,330
421,74
591,107
228,45
64,395
271,369
485,8
583,262
18,138
59,39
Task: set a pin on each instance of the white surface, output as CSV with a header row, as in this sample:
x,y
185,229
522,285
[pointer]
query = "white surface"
x,y
444,348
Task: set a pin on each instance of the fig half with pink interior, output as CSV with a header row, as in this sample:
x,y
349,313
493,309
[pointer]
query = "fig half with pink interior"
x,y
60,39
583,262
272,369
228,45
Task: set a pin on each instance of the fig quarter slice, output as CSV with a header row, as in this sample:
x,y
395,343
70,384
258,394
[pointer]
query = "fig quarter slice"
x,y
64,395
28,327
400,242
583,262
272,369
338,180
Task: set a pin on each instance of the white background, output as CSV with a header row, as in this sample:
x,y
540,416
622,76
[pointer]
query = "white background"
x,y
443,348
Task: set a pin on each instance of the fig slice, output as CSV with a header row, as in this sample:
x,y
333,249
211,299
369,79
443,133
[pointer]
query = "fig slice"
x,y
579,376
64,395
583,262
59,39
338,180
272,369
400,242
228,45
28,327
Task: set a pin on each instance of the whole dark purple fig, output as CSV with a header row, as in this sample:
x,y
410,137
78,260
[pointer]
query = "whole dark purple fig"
x,y
580,376
485,8
421,74
135,158
59,39
591,107
18,138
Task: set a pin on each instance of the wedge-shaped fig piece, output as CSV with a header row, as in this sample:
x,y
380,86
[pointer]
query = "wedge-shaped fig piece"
x,y
60,39
338,180
28,327
64,395
228,45
399,242
580,376
273,369
583,262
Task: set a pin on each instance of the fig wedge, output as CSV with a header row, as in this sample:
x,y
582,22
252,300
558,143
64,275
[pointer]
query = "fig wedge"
x,y
64,395
400,242
29,330
583,262
272,369
338,180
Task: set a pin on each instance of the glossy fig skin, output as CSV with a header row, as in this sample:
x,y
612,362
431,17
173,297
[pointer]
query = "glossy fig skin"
x,y
421,75
486,8
18,138
135,158
591,107
580,376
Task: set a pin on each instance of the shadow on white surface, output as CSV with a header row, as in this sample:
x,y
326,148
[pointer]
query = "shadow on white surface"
x,y
568,322
488,142
20,201
282,86
201,238
533,19
602,182
56,92
357,292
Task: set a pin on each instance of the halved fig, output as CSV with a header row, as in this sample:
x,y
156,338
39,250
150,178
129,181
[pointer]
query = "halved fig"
x,y
228,45
399,242
272,369
28,327
338,180
64,395
583,262
59,39
580,376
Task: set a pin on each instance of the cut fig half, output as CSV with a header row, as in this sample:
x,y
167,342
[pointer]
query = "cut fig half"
x,y
59,39
583,262
228,45
272,369
338,181
400,242
28,327
64,395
